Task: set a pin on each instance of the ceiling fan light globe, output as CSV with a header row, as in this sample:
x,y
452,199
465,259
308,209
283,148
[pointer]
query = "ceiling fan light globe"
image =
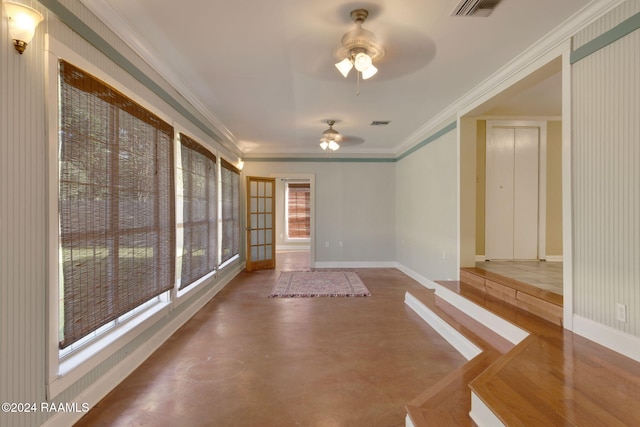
x,y
324,145
369,72
363,62
333,145
344,66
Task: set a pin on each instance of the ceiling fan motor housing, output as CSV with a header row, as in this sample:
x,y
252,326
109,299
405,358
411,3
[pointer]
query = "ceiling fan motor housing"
x,y
359,40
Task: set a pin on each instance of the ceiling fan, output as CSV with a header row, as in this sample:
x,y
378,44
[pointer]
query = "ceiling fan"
x,y
330,137
359,48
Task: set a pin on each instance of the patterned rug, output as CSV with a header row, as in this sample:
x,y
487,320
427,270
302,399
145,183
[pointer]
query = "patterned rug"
x,y
297,284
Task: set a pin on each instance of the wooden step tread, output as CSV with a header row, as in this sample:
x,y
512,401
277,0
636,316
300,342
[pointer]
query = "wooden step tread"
x,y
448,402
553,377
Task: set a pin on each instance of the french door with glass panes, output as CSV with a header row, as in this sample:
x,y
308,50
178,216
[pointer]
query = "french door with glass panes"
x,y
261,223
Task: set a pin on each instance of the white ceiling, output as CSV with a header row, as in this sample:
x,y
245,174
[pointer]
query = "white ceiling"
x,y
264,68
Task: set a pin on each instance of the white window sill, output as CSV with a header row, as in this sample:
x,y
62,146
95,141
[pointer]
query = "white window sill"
x,y
81,362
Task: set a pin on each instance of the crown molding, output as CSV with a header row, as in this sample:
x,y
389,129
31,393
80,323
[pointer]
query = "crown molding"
x,y
112,20
514,70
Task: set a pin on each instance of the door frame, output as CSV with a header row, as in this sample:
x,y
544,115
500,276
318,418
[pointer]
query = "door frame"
x,y
542,173
312,207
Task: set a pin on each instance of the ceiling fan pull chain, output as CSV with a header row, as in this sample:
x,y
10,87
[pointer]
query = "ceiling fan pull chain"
x,y
358,84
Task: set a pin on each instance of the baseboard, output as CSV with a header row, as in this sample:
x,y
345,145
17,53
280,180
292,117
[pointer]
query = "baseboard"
x,y
480,258
416,276
618,341
107,382
553,258
355,264
293,248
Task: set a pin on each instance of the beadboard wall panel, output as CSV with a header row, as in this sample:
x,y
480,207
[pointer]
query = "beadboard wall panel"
x,y
606,179
23,205
606,22
22,225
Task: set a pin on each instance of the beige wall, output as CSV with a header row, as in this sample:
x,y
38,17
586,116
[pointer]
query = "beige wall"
x,y
554,187
481,171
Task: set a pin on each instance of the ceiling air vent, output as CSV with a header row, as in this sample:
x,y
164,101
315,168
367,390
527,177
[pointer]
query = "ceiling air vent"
x,y
380,122
475,8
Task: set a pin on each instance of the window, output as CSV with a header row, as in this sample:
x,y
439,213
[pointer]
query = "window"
x,y
230,196
199,223
298,210
116,206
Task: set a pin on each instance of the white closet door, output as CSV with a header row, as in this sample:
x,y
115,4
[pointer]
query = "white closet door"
x,y
511,217
499,194
525,215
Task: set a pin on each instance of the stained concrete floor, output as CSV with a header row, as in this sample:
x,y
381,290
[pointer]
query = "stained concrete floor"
x,y
249,360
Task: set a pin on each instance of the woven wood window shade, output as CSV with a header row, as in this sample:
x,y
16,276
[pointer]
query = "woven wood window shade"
x,y
299,210
116,204
230,187
200,216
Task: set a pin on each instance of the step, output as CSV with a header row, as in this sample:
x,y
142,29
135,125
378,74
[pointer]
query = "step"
x,y
448,402
550,376
540,302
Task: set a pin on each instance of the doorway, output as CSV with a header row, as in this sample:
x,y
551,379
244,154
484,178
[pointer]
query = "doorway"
x,y
297,189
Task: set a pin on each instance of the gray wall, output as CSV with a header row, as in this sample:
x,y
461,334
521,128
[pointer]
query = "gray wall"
x,y
354,205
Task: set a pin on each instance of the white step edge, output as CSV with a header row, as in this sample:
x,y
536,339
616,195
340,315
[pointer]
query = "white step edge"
x,y
465,347
408,422
497,324
482,415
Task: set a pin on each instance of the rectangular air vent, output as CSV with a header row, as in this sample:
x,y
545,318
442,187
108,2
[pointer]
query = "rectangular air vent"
x,y
380,122
475,8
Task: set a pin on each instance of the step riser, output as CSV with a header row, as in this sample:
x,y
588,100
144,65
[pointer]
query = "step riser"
x,y
516,297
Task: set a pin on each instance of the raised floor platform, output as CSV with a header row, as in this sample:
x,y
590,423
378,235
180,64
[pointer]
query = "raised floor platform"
x,y
535,300
546,376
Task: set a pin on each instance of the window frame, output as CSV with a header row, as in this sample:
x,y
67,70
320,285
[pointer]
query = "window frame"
x,y
181,293
65,368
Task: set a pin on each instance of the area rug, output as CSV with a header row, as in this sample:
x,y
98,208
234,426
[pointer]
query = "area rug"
x,y
299,284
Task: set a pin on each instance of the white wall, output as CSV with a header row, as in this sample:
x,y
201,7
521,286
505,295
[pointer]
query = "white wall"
x,y
427,209
354,205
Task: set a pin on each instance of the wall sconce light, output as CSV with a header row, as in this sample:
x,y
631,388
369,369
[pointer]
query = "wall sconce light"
x,y
23,21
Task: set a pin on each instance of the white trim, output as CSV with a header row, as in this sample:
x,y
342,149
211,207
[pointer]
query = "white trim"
x,y
567,190
417,277
110,17
98,390
408,422
80,362
480,258
482,415
554,258
614,339
540,52
502,327
293,248
356,264
463,345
